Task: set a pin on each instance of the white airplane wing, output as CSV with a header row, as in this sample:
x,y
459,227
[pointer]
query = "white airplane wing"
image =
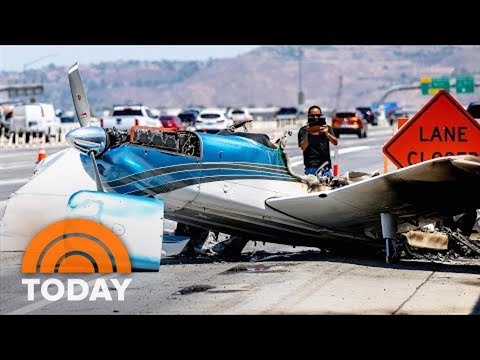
x,y
416,195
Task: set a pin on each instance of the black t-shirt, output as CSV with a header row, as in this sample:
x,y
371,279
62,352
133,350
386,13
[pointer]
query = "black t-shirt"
x,y
318,150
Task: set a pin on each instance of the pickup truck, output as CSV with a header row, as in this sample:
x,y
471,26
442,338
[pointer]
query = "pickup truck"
x,y
125,116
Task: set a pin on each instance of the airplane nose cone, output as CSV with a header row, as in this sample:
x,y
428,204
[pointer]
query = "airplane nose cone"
x,y
88,139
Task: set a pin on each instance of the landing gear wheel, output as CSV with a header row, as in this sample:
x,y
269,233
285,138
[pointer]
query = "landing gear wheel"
x,y
230,248
393,252
197,239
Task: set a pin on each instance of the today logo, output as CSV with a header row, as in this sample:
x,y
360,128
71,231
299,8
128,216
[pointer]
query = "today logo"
x,y
76,246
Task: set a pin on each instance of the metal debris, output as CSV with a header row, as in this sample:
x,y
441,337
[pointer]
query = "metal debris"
x,y
193,289
253,268
460,247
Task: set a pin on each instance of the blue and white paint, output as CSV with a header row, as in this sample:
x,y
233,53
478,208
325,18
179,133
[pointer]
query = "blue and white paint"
x,y
137,221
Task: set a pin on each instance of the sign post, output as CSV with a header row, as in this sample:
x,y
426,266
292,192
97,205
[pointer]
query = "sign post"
x,y
441,128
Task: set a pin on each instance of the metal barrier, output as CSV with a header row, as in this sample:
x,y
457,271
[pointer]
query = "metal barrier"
x,y
29,139
284,124
271,127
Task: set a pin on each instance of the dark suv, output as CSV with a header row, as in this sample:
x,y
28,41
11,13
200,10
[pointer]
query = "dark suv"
x,y
367,114
188,116
474,109
287,113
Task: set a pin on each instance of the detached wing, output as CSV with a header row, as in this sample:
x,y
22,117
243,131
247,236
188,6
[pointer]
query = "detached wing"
x,y
419,193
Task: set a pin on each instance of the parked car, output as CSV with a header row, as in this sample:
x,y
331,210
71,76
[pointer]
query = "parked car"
x,y
68,122
172,122
239,115
405,111
6,114
35,118
188,116
125,116
287,113
368,114
474,109
212,120
349,122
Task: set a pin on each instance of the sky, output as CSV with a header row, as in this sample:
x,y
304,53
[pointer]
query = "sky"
x,y
18,57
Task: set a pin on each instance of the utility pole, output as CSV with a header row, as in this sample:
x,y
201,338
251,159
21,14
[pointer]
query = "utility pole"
x,y
301,95
34,62
37,60
339,92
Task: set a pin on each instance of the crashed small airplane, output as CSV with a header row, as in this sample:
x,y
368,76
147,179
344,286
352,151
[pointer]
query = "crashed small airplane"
x,y
241,184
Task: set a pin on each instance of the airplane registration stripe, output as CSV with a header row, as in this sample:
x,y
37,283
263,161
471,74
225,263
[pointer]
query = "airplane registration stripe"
x,y
193,167
150,173
175,185
145,173
166,178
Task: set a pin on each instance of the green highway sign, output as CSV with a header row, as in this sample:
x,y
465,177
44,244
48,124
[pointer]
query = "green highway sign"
x,y
464,85
425,84
431,86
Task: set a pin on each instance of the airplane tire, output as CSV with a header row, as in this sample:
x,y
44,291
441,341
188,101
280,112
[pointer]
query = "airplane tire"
x,y
230,248
197,239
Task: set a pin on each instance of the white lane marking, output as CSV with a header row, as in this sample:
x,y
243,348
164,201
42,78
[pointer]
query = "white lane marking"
x,y
42,303
29,151
340,152
291,146
371,138
14,181
18,166
380,133
351,149
12,155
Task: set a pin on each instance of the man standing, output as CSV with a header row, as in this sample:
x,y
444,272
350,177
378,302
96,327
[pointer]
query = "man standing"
x,y
314,139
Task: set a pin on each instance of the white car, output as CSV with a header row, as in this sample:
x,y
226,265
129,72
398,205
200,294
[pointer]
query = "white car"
x,y
212,120
69,122
125,116
35,118
239,115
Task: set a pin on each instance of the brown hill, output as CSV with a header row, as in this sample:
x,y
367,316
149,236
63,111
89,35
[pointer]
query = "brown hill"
x,y
268,75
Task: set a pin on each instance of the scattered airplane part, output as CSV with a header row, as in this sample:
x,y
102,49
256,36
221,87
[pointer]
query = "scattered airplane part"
x,y
463,240
427,240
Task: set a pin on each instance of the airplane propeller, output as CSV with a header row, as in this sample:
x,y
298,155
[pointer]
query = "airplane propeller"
x,y
90,140
79,96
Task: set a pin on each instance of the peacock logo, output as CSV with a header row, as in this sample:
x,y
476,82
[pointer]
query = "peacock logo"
x,y
76,246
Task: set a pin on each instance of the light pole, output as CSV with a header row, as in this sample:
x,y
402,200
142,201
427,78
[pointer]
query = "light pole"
x,y
37,60
33,62
301,96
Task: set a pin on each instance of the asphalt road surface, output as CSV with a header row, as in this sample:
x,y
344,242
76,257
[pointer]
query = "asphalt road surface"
x,y
268,279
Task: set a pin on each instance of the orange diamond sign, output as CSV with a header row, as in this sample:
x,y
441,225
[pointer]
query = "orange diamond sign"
x,y
441,128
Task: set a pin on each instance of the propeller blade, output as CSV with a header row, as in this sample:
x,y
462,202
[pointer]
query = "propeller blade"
x,y
79,96
97,174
